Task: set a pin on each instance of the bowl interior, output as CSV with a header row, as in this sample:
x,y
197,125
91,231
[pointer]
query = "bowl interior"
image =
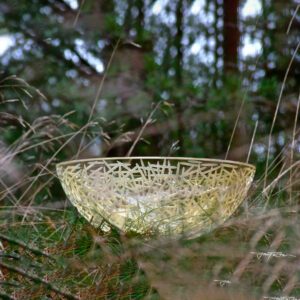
x,y
156,195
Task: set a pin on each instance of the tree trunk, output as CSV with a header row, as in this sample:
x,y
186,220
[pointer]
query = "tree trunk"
x,y
231,42
231,35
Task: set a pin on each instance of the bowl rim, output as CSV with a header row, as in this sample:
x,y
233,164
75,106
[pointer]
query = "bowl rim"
x,y
221,161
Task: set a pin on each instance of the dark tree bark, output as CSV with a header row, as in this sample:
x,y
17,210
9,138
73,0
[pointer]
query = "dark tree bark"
x,y
178,41
231,35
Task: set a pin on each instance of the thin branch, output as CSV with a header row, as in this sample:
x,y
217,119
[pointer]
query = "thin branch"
x,y
23,245
38,280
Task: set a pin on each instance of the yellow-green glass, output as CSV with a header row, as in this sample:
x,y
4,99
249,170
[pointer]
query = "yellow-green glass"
x,y
162,195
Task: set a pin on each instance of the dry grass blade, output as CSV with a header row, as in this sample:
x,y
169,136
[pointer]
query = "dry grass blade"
x,y
148,121
100,87
276,112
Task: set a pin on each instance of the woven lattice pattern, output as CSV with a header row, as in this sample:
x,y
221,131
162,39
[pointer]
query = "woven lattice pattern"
x,y
156,195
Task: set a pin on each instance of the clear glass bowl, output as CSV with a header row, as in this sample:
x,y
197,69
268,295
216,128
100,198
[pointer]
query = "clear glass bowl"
x,y
156,195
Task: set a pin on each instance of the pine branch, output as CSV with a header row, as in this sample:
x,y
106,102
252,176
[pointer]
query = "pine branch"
x,y
38,280
23,245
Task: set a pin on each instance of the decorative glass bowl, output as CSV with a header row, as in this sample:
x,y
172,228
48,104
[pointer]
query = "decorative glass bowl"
x,y
156,195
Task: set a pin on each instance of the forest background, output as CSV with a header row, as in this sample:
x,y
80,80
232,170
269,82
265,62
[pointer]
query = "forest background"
x,y
219,78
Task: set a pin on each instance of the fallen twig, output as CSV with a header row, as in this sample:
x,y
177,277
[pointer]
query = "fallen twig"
x,y
22,244
37,280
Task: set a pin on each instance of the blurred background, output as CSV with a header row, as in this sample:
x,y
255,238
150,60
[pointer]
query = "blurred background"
x,y
198,78
205,60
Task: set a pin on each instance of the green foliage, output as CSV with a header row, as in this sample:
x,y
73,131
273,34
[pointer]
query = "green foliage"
x,y
56,103
268,88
